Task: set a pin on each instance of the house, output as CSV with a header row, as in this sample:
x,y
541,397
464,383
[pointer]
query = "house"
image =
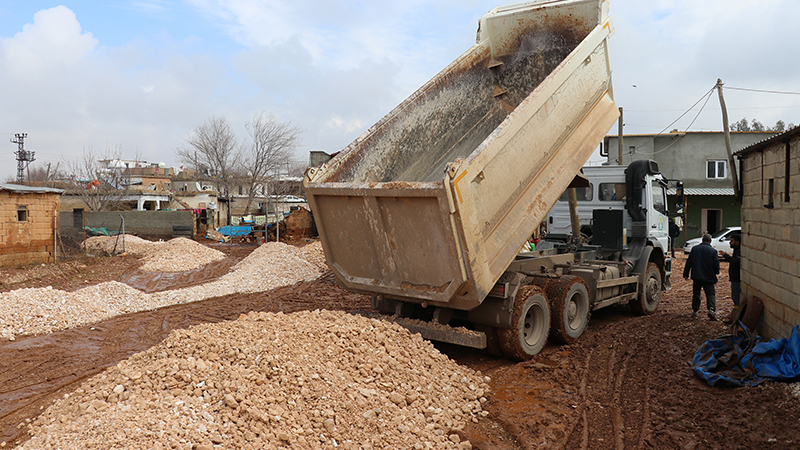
x,y
700,160
770,177
28,224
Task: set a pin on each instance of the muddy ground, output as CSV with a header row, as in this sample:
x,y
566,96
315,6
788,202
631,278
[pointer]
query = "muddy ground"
x,y
625,384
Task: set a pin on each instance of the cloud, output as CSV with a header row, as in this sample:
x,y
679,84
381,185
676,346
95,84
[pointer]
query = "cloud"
x,y
674,51
53,42
73,93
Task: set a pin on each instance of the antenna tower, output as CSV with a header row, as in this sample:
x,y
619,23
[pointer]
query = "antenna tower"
x,y
24,157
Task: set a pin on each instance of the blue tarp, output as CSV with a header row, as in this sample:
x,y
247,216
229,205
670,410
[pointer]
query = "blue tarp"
x,y
234,231
742,359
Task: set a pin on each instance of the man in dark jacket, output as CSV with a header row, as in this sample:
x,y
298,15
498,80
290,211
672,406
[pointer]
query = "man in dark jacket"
x,y
703,264
733,269
674,232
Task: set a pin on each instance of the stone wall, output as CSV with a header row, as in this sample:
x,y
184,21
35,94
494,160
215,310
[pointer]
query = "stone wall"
x,y
31,240
771,236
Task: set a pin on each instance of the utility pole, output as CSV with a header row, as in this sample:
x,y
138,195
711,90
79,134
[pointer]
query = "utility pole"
x,y
24,157
726,131
619,161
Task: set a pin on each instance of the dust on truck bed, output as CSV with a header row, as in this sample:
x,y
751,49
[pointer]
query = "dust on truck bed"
x,y
432,202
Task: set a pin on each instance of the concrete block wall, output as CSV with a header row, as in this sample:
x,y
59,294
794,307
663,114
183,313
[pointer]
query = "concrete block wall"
x,y
771,237
151,225
31,241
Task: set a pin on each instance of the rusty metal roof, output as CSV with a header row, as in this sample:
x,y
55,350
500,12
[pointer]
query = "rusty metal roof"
x,y
19,189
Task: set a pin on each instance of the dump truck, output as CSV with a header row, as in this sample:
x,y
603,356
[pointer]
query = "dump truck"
x,y
427,209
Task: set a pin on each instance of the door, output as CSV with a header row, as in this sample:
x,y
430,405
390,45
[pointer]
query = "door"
x,y
657,213
711,220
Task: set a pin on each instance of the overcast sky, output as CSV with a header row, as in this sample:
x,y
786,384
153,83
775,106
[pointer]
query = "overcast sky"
x,y
140,75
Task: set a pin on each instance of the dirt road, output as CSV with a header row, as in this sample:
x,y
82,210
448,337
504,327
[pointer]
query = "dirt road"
x,y
625,384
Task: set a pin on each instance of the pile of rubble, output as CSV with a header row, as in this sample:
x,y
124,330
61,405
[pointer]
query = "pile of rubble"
x,y
307,380
44,310
176,255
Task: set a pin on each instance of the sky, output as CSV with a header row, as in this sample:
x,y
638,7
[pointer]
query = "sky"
x,y
136,77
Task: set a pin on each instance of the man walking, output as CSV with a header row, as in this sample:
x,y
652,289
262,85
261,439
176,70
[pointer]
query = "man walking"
x,y
674,232
703,264
733,268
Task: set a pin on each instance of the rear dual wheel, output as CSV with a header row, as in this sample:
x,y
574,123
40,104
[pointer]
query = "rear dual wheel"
x,y
530,325
569,305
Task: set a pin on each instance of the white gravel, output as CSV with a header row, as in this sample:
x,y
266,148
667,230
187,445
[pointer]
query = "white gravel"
x,y
44,310
175,255
308,380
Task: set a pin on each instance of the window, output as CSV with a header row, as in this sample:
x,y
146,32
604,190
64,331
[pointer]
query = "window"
x,y
715,169
22,213
611,192
584,194
659,197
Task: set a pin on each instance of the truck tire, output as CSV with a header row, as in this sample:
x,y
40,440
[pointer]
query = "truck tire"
x,y
569,307
530,325
542,282
647,303
749,312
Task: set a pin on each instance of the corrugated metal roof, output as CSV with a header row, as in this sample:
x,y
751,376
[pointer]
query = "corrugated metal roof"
x,y
761,145
703,191
29,189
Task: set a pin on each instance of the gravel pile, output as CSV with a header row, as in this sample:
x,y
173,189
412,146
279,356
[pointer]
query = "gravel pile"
x,y
307,380
175,255
44,310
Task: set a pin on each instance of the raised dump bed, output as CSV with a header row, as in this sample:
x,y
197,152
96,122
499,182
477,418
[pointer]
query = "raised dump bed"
x,y
431,204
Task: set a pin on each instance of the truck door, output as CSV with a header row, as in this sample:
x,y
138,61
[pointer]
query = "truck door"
x,y
657,213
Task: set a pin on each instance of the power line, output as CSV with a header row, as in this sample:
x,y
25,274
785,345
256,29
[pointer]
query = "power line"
x,y
707,97
763,90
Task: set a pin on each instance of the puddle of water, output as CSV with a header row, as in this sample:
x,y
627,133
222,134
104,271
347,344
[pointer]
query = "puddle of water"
x,y
161,281
518,391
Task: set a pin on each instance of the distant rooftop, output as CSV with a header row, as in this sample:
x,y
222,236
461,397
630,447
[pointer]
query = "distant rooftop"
x,y
29,189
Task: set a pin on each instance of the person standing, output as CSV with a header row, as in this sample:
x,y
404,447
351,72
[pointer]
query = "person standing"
x,y
733,268
674,232
703,265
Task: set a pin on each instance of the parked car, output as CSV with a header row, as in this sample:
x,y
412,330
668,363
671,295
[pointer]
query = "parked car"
x,y
719,240
293,199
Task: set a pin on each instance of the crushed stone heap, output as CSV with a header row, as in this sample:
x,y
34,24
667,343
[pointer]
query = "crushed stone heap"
x,y
44,310
174,255
307,380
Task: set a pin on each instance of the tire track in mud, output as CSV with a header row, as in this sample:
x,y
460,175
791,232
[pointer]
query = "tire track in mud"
x,y
614,391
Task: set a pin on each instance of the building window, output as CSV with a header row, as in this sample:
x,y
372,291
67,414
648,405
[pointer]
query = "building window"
x,y
715,169
22,213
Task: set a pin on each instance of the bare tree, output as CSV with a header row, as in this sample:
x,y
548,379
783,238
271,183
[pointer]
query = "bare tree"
x,y
272,145
101,187
213,151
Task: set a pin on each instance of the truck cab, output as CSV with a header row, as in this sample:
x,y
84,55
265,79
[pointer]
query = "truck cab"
x,y
646,214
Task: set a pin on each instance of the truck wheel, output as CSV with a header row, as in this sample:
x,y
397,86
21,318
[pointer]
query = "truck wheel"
x,y
569,303
647,303
530,325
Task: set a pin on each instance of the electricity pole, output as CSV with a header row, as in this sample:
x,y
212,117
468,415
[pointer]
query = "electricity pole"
x,y
727,133
24,157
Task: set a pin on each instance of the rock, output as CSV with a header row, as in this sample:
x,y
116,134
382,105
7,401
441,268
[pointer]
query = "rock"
x,y
230,401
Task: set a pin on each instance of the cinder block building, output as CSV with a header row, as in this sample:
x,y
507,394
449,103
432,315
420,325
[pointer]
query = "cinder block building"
x,y
770,177
27,224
